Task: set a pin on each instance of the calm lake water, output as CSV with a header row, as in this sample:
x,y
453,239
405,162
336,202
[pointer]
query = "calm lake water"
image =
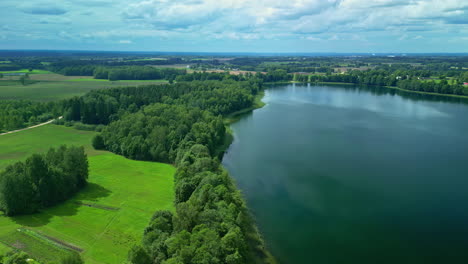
x,y
355,175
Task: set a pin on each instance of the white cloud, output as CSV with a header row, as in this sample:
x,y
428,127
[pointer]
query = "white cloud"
x,y
125,41
186,21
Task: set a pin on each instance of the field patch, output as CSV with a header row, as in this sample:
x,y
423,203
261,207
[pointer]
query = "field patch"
x,y
20,145
123,193
50,87
38,247
27,71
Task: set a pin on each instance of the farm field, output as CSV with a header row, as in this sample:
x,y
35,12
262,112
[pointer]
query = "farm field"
x,y
120,81
103,220
27,71
49,87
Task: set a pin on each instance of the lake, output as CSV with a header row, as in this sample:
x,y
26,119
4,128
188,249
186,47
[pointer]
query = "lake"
x,y
337,174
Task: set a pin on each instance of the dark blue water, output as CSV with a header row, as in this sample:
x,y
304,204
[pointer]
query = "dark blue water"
x,y
347,175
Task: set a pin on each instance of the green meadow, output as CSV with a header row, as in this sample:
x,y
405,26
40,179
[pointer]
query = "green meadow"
x,y
100,222
34,71
50,87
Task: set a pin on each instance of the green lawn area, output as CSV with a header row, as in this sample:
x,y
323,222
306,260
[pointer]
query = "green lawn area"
x,y
44,90
105,218
20,145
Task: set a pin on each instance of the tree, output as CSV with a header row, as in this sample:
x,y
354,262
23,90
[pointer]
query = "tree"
x,y
42,180
137,255
98,142
72,258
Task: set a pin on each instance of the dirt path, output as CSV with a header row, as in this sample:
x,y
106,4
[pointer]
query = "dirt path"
x,y
42,124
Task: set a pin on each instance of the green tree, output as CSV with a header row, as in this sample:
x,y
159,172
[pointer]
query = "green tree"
x,y
138,255
72,258
98,142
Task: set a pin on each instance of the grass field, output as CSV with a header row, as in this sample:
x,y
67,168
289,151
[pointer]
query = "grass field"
x,y
51,87
22,144
105,218
27,71
120,81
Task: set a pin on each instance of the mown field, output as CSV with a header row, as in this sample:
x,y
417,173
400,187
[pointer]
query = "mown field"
x,y
49,87
103,220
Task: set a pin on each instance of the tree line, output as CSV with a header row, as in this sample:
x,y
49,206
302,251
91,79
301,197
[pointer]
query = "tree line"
x,y
43,180
104,106
19,114
211,223
115,73
404,80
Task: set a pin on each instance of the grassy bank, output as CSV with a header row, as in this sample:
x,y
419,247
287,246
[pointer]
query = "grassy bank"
x,y
103,220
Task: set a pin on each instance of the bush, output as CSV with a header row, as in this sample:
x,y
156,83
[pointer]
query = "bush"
x,y
73,258
98,142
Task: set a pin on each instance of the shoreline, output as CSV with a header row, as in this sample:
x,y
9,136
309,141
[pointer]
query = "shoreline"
x,y
228,140
389,87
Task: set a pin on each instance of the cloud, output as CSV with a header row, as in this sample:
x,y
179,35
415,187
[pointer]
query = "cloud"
x,y
125,42
54,20
95,3
43,9
249,14
311,22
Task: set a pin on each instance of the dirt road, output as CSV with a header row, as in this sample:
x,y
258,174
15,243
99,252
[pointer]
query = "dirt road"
x,y
38,125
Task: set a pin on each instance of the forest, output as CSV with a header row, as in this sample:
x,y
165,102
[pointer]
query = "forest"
x,y
182,124
43,180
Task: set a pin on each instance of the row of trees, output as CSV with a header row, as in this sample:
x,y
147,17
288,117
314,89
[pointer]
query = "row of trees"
x,y
116,73
383,78
136,73
43,180
19,114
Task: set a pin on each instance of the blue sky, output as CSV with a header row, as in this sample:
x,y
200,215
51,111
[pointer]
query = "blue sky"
x,y
236,25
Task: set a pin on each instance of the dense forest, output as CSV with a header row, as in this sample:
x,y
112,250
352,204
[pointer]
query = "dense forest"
x,y
211,223
182,124
103,106
43,180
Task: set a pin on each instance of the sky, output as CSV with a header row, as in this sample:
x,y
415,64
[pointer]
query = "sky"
x,y
283,26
